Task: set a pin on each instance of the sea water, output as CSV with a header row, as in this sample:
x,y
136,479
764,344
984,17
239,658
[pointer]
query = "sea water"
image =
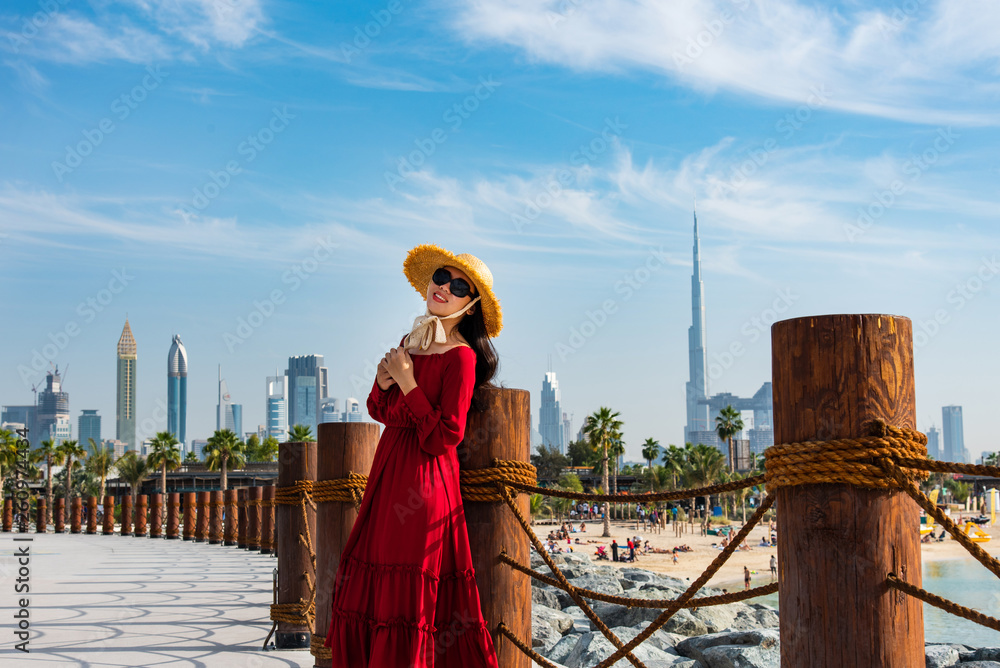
x,y
964,581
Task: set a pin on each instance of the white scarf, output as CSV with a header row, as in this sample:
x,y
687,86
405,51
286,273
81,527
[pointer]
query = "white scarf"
x,y
428,328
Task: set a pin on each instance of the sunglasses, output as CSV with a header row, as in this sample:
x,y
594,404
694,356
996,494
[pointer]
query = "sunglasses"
x,y
458,286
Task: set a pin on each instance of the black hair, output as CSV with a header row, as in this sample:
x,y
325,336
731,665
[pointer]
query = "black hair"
x,y
472,327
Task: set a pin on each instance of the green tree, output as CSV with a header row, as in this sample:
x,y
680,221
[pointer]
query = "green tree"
x,y
727,424
537,503
580,453
674,459
190,457
650,451
300,433
549,462
600,428
224,448
252,448
100,461
71,450
165,456
703,467
571,481
53,457
261,451
8,455
133,469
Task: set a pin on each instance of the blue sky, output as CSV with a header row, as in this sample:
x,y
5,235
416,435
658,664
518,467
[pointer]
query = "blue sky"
x,y
843,159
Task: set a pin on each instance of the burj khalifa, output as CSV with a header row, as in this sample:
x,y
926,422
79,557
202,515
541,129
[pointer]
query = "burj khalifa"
x,y
697,386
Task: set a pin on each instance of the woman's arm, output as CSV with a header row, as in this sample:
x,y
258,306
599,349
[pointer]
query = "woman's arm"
x,y
378,399
442,427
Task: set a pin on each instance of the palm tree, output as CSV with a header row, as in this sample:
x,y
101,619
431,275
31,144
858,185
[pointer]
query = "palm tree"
x,y
133,469
53,457
650,451
673,461
729,423
600,428
300,433
224,447
164,455
100,462
8,454
537,502
704,466
71,450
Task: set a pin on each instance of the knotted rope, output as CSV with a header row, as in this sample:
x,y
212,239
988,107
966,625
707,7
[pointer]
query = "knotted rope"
x,y
481,484
304,611
348,489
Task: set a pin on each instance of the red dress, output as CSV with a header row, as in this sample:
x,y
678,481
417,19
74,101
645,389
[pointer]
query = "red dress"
x,y
405,593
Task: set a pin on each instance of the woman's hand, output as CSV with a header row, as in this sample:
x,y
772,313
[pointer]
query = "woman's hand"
x,y
400,367
382,377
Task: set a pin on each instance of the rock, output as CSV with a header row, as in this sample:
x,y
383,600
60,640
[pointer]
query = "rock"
x,y
563,648
979,664
983,654
557,619
715,617
593,647
535,665
544,596
638,575
581,623
940,656
766,616
662,639
735,649
544,634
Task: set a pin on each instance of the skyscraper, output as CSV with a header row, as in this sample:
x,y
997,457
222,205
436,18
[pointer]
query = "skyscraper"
x,y
697,386
177,371
88,427
234,419
307,388
277,406
125,407
934,443
53,411
352,410
954,437
223,414
550,418
328,411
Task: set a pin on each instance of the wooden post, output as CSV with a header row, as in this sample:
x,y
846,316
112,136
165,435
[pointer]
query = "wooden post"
x,y
190,514
92,514
267,521
215,518
836,543
41,525
232,517
108,527
141,506
296,461
8,514
60,515
502,431
241,518
173,515
75,519
156,516
201,518
254,496
126,518
343,447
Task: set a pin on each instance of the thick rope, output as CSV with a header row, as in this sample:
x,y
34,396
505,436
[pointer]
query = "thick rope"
x,y
535,656
303,612
481,484
944,604
348,489
317,649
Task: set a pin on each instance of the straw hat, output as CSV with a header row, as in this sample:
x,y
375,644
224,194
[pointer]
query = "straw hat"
x,y
422,261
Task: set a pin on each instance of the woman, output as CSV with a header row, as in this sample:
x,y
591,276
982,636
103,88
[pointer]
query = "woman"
x,y
405,591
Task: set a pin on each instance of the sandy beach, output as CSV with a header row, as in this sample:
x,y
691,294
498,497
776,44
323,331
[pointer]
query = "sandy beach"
x,y
691,564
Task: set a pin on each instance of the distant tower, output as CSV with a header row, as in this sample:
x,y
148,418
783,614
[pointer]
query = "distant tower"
x,y
53,410
125,411
697,386
954,436
550,419
89,427
177,371
934,443
277,406
307,388
223,410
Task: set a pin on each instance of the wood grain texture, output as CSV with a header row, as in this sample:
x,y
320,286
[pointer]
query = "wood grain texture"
x,y
75,515
267,521
108,527
231,530
215,510
296,461
254,496
502,431
836,543
40,521
59,517
343,447
173,515
125,521
201,517
190,511
241,517
141,507
92,514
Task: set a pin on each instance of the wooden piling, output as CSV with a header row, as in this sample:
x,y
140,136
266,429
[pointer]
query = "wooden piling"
x,y
108,526
232,517
241,518
267,521
254,496
141,507
202,517
59,517
836,543
173,515
190,514
215,517
343,447
92,515
296,461
41,523
156,515
502,431
75,514
126,516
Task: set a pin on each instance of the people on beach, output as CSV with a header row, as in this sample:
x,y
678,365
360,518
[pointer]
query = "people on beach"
x,y
746,578
774,568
